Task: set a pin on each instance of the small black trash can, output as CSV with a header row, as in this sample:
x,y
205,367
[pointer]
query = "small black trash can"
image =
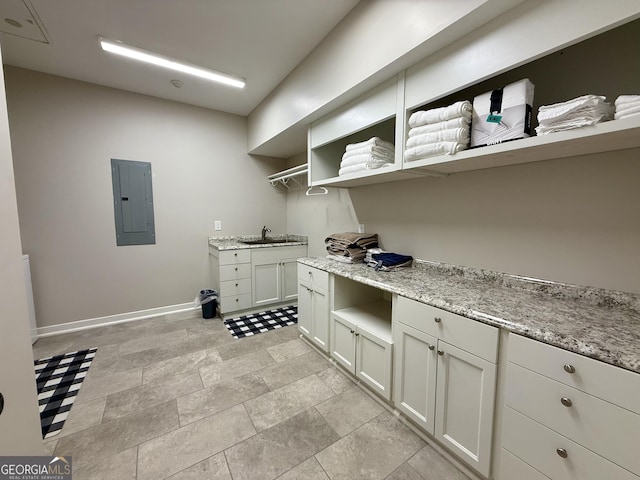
x,y
209,303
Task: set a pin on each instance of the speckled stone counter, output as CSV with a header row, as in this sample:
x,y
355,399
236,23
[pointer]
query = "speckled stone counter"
x,y
235,243
597,323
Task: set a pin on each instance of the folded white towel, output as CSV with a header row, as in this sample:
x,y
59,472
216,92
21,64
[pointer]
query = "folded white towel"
x,y
436,127
424,117
579,106
374,150
575,113
373,141
628,112
359,167
627,107
459,135
366,159
432,150
624,99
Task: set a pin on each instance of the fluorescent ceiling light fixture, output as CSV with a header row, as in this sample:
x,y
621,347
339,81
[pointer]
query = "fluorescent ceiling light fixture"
x,y
141,55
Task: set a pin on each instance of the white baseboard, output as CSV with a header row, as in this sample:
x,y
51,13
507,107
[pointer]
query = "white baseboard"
x,y
112,319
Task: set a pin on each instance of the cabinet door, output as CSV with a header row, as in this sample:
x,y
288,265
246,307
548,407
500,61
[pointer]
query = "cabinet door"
x,y
320,319
289,279
373,362
266,283
343,342
464,405
415,374
305,312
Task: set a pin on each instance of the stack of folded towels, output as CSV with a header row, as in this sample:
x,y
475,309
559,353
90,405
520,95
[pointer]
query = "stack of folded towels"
x,y
439,131
578,112
627,106
374,153
350,247
387,261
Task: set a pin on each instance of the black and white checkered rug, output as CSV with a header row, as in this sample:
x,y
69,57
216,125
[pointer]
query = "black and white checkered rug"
x,y
58,379
255,323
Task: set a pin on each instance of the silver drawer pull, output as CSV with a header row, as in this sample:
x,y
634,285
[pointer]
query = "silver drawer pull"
x,y
566,401
438,319
431,347
440,352
562,452
569,368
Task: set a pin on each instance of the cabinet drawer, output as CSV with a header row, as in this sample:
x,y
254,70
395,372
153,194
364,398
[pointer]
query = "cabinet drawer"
x,y
235,287
512,468
538,446
235,272
315,278
474,337
235,302
600,426
605,381
230,257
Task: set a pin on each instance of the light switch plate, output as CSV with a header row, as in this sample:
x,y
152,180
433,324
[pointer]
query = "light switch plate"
x,y
361,228
217,225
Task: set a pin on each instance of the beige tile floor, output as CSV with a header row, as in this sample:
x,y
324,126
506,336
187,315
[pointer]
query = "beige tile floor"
x,y
178,397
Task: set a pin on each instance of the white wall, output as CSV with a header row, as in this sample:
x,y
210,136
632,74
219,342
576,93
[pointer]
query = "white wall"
x,y
318,216
64,134
19,422
572,220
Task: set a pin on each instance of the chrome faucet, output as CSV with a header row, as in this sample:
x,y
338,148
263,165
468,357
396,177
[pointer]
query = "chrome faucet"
x,y
265,230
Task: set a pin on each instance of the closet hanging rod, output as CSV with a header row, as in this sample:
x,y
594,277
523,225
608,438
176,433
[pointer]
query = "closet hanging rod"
x,y
290,172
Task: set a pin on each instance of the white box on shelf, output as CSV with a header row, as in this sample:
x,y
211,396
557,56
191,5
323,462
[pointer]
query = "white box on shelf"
x,y
503,114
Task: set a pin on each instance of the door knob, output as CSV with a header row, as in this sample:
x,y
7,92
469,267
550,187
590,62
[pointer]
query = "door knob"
x,y
562,452
440,352
431,347
569,368
438,319
1,403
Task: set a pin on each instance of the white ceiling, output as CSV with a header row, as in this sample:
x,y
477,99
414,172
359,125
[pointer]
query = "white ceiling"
x,y
259,40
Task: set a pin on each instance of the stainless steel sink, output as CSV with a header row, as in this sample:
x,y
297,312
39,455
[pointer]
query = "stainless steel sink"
x,y
265,241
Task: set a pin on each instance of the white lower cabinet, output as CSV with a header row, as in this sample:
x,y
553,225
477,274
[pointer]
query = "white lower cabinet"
x,y
274,274
313,305
231,277
569,416
361,342
445,378
512,468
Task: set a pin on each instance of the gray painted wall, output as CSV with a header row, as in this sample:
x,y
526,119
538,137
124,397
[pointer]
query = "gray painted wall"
x,y
573,220
64,134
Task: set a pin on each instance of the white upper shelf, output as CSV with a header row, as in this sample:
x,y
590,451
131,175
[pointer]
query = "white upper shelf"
x,y
604,137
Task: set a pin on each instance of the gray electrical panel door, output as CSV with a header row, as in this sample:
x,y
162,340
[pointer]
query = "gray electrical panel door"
x,y
133,202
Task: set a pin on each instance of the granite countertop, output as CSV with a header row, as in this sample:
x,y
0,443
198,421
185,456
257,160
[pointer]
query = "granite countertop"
x,y
597,323
235,242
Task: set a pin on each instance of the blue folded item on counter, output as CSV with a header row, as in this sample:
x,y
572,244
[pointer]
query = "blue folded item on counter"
x,y
388,261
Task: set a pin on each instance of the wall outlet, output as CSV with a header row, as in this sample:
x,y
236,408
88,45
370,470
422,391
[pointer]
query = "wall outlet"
x,y
361,228
217,225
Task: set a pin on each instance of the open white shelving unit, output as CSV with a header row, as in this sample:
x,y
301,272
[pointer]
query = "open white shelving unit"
x,y
588,62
